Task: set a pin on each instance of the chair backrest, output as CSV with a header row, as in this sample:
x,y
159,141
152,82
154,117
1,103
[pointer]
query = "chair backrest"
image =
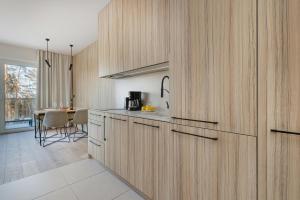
x,y
81,116
55,119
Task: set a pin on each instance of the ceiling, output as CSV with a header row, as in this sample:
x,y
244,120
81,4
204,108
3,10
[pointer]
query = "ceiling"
x,y
28,22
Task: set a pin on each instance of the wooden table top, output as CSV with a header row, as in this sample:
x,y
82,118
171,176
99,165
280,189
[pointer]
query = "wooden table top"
x,y
42,112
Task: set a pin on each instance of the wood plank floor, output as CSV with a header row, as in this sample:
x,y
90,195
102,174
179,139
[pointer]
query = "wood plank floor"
x,y
22,156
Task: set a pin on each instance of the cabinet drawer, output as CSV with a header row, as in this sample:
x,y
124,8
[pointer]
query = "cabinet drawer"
x,y
96,149
96,130
95,116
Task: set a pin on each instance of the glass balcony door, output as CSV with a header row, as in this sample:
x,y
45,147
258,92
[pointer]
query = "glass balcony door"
x,y
20,95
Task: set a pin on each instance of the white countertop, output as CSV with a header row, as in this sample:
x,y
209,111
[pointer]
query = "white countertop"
x,y
159,116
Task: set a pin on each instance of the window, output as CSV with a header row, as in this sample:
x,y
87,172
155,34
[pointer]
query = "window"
x,y
20,95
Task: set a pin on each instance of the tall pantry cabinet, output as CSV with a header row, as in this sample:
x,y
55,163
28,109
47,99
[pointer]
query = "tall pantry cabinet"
x,y
213,63
279,48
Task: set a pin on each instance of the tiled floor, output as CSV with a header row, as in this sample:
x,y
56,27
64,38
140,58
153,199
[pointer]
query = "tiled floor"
x,y
82,180
22,156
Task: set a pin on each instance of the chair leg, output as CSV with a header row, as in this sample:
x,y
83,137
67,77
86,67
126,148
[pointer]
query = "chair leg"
x,y
75,131
45,136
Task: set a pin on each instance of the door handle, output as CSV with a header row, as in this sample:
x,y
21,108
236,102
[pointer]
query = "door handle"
x,y
204,137
146,125
118,119
94,143
196,120
286,132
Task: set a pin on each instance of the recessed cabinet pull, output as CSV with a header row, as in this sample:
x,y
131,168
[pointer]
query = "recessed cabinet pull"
x,y
195,120
210,138
94,143
95,124
146,125
286,132
118,119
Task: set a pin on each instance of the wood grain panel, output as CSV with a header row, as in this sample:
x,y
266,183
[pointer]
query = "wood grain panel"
x,y
143,148
90,90
193,167
116,36
131,34
278,49
103,42
116,147
213,59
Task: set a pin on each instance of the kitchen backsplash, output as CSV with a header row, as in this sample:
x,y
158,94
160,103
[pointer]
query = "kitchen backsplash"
x,y
149,84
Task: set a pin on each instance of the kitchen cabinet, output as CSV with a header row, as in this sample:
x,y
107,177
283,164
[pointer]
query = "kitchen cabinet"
x,y
279,49
115,36
116,146
196,164
213,58
96,149
96,136
143,149
133,34
103,42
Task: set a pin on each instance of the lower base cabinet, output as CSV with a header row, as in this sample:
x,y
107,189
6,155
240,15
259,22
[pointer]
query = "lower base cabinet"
x,y
143,151
201,164
283,180
116,146
174,162
96,149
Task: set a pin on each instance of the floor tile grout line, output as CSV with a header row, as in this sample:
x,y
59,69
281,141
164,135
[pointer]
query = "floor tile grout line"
x,y
68,184
121,194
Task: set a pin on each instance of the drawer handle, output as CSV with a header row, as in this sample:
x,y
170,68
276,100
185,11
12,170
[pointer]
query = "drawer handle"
x,y
195,120
118,119
94,143
95,124
287,132
210,138
146,125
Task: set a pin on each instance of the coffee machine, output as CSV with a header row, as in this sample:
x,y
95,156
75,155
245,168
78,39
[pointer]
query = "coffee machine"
x,y
134,101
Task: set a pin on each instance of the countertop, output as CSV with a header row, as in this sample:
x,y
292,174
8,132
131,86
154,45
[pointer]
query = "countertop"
x,y
158,116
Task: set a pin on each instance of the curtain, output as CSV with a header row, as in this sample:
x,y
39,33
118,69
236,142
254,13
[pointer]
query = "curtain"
x,y
54,84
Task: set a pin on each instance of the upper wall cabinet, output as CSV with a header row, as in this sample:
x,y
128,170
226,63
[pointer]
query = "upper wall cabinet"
x,y
213,64
115,20
136,34
103,42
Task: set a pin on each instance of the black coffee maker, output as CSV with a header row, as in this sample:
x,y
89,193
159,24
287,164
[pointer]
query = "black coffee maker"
x,y
134,101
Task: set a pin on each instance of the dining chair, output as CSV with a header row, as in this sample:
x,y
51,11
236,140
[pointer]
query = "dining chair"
x,y
56,120
80,118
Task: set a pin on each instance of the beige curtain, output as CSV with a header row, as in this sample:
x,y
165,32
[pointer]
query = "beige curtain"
x,y
54,83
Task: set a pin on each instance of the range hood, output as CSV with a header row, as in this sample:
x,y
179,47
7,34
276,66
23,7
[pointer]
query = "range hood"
x,y
143,70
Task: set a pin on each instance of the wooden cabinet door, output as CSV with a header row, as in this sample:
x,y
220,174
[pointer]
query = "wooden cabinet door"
x,y
116,147
143,146
131,34
103,42
154,20
213,63
279,57
116,36
201,164
283,162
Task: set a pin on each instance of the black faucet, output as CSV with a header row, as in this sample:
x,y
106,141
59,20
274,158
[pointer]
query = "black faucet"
x,y
162,86
163,89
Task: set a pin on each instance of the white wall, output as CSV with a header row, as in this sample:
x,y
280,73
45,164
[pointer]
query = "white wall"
x,y
149,84
16,53
10,54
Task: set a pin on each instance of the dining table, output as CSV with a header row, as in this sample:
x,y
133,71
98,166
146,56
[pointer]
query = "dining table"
x,y
38,116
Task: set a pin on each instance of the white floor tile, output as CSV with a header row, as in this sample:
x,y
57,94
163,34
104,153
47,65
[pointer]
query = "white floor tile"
x,y
33,186
63,194
130,195
80,170
103,186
